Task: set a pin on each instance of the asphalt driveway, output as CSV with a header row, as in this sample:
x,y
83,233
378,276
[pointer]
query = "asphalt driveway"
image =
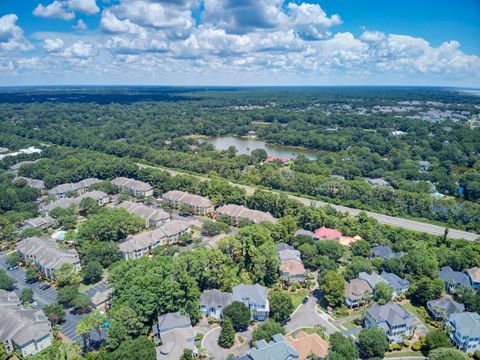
x,y
210,343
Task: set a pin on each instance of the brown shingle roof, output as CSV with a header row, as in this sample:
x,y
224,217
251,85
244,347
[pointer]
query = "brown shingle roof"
x,y
305,344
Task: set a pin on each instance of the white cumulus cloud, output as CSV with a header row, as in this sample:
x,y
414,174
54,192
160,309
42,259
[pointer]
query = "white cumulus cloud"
x,y
11,35
55,10
53,45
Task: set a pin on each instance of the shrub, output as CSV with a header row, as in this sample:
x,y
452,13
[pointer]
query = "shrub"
x,y
417,345
395,347
406,343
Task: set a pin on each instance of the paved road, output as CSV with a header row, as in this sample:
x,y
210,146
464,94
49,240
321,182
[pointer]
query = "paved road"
x,y
210,343
381,218
44,297
307,316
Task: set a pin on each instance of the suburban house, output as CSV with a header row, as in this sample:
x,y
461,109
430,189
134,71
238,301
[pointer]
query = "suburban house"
x,y
287,252
307,344
325,233
101,197
196,204
474,275
399,285
373,279
441,309
377,182
292,270
153,217
174,333
142,244
25,330
357,292
302,232
396,322
465,332
385,253
453,279
237,212
135,187
212,302
279,349
39,222
62,190
46,255
255,297
33,183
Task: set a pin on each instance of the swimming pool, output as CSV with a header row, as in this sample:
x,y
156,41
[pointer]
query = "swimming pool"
x,y
59,235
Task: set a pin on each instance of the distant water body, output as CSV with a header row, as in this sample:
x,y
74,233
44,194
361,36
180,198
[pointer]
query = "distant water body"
x,y
246,145
470,91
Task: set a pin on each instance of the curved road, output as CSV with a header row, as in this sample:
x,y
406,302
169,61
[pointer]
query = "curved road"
x,y
381,218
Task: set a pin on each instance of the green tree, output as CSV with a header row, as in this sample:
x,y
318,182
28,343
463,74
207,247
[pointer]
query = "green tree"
x,y
281,305
66,275
139,348
332,286
81,302
83,329
92,272
13,259
447,354
227,334
89,206
342,347
356,266
267,330
26,296
54,312
436,339
373,342
187,355
32,274
239,314
67,295
425,290
212,228
382,293
125,325
6,282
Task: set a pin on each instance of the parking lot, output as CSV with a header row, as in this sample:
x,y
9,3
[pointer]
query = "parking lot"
x,y
44,297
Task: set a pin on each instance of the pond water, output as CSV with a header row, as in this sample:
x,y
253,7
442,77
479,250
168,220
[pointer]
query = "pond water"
x,y
246,145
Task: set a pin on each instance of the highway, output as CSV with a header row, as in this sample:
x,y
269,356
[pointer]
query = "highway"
x,y
381,218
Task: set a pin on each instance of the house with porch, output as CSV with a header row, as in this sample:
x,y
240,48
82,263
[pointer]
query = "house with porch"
x,y
255,297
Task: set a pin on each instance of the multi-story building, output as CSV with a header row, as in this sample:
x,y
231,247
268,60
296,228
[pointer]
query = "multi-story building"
x,y
195,203
135,187
465,332
395,321
255,297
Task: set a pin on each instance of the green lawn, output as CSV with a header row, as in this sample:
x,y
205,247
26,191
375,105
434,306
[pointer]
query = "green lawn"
x,y
349,325
402,354
298,297
416,311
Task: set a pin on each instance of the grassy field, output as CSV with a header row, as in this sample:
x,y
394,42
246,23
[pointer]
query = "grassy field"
x,y
298,297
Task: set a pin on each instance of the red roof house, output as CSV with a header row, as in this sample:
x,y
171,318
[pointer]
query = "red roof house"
x,y
325,233
283,160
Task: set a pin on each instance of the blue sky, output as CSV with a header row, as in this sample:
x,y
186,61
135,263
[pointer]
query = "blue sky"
x,y
240,42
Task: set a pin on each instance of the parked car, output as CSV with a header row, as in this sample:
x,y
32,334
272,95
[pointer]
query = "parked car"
x,y
13,267
45,286
305,300
34,304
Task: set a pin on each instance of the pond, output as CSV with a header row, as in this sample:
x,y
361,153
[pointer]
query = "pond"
x,y
245,145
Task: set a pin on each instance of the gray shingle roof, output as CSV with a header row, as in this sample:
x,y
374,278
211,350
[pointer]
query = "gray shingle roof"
x,y
72,187
277,349
33,183
39,221
46,253
447,305
255,293
172,320
392,313
468,322
131,184
144,211
304,233
395,282
455,277
214,298
183,197
373,279
254,216
384,252
18,324
150,238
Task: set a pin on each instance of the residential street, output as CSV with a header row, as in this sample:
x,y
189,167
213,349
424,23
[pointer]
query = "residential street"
x,y
44,297
308,315
210,343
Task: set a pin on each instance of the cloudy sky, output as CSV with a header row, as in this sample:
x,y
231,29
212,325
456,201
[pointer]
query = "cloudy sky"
x,y
240,42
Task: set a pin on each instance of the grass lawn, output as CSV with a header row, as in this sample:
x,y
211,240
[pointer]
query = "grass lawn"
x,y
416,311
298,297
402,354
349,325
